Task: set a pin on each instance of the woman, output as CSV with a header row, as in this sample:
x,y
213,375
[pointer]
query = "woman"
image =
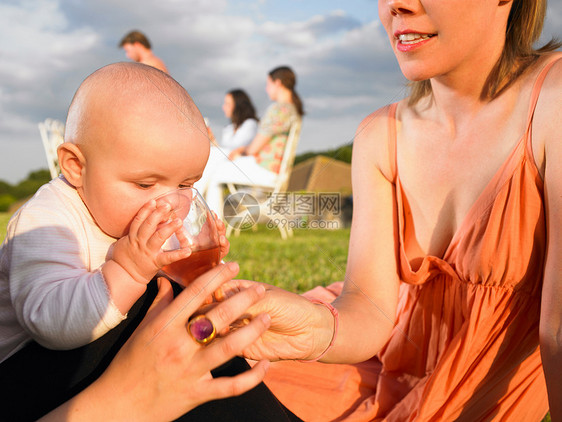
x,y
260,160
243,126
453,277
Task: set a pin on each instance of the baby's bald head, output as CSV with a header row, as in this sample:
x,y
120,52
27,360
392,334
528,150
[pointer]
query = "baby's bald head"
x,y
124,91
132,133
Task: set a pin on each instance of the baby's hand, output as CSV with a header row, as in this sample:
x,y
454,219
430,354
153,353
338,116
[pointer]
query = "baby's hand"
x,y
140,251
223,241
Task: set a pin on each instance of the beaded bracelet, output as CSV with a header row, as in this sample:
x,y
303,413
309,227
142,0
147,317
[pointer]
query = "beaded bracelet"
x,y
334,312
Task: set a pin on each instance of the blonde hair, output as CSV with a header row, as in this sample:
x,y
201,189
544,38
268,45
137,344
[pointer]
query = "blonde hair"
x,y
524,27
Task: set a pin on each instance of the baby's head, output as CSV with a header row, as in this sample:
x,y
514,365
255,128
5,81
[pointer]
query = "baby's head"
x,y
132,133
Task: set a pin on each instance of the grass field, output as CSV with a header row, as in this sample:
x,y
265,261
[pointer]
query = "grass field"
x,y
308,259
4,218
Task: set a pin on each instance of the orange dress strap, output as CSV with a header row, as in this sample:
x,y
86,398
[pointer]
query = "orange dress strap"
x,y
535,93
392,139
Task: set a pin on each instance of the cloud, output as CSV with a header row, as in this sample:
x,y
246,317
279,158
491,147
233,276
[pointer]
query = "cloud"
x,y
306,33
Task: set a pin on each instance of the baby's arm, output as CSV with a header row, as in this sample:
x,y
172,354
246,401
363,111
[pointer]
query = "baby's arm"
x,y
59,293
138,256
57,300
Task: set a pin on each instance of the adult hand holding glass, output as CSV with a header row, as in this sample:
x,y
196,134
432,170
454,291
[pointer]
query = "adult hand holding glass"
x,y
300,329
161,372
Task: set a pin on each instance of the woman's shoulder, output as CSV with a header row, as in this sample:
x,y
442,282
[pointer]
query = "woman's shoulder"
x,y
547,119
282,108
249,123
375,136
553,79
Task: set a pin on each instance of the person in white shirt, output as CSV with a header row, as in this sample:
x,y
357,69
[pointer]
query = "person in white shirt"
x,y
260,160
243,126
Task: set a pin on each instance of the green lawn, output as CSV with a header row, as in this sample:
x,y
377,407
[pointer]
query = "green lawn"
x,y
4,218
308,259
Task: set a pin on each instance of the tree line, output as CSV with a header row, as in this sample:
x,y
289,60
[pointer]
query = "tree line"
x,y
10,194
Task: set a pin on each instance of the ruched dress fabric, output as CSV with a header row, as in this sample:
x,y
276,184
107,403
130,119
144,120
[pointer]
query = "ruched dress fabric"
x,y
465,345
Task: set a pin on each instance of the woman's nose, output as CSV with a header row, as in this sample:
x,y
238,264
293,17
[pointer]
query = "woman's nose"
x,y
401,7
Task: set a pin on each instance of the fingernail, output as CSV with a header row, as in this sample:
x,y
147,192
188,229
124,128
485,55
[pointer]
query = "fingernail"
x,y
260,290
233,266
266,319
266,365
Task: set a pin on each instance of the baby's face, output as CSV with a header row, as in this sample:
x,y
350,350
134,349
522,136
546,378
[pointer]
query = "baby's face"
x,y
136,159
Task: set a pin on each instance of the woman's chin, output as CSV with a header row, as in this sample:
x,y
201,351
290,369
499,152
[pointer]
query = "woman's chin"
x,y
414,72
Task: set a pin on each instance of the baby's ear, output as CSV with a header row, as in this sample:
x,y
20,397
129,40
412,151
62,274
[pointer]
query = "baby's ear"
x,y
71,162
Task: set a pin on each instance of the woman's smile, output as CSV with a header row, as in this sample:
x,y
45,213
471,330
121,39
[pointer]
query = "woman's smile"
x,y
407,41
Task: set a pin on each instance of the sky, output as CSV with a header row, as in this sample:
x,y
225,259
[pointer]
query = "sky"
x,y
344,64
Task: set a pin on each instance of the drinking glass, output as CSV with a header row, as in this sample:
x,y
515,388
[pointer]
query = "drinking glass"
x,y
198,232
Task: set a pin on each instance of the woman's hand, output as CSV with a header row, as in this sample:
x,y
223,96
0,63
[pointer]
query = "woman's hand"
x,y
299,328
211,136
237,152
161,372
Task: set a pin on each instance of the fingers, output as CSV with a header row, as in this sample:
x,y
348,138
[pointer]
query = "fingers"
x,y
228,311
223,387
143,213
182,237
161,301
232,287
168,257
152,224
193,296
225,348
165,293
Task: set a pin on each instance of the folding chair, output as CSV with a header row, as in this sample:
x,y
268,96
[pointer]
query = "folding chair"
x,y
52,135
267,208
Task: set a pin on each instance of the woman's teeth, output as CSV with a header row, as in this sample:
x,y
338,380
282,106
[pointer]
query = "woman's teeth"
x,y
413,38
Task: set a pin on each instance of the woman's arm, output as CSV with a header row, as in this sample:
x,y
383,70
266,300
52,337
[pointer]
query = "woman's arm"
x,y
367,306
253,148
243,135
161,373
257,144
546,129
277,119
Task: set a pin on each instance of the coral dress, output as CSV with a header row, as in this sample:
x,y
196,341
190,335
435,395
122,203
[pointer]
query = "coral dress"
x,y
465,346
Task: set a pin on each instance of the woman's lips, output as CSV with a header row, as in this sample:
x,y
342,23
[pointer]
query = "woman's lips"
x,y
408,41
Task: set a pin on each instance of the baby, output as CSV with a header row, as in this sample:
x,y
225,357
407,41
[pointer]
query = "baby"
x,y
81,252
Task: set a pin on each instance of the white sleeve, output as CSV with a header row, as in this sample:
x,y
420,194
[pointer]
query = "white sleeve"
x,y
57,300
244,135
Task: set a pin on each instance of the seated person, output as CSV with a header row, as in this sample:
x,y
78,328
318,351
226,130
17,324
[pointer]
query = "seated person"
x,y
243,125
258,162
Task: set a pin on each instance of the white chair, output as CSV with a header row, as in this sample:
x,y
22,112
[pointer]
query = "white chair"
x,y
267,206
52,135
